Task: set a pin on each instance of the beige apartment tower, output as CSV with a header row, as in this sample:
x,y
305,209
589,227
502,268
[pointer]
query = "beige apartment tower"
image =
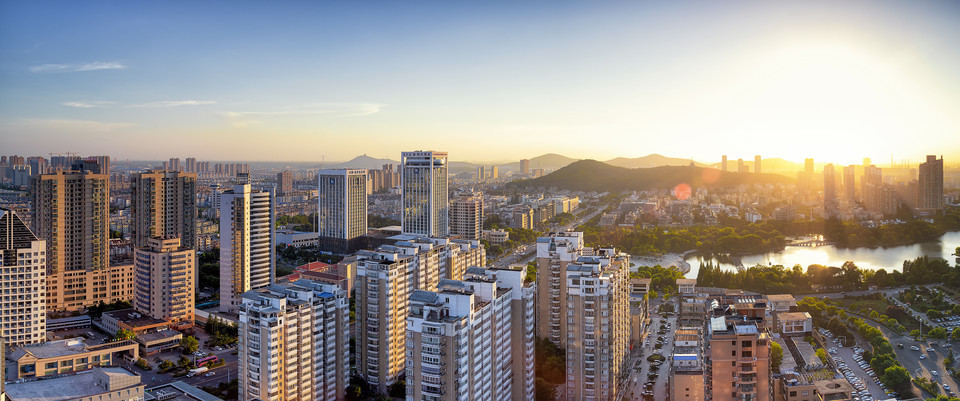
x,y
461,339
164,286
382,308
294,342
598,325
554,253
739,366
163,205
23,264
466,216
71,213
248,254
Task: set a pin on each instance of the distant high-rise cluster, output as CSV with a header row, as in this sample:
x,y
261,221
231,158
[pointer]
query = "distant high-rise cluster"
x,y
383,179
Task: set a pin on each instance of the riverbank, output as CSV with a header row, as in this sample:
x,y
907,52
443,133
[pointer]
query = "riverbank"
x,y
674,260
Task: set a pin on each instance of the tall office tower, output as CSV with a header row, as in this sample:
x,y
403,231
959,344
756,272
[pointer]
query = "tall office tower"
x,y
466,216
871,184
285,182
164,287
494,172
382,310
71,213
191,164
553,255
248,255
481,173
930,187
756,164
174,164
723,163
342,213
739,360
849,188
23,263
598,340
808,165
464,339
829,189
425,201
163,204
742,168
294,342
525,166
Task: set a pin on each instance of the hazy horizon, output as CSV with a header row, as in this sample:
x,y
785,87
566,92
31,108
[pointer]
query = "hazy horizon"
x,y
837,81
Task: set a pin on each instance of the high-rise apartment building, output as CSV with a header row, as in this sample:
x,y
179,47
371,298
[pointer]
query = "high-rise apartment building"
x,y
294,342
482,173
808,165
829,190
342,214
382,309
23,264
598,339
248,255
466,216
424,198
191,166
163,204
164,285
466,341
285,182
494,172
723,163
554,253
871,184
849,187
174,164
525,166
756,164
739,360
71,213
686,381
930,187
742,168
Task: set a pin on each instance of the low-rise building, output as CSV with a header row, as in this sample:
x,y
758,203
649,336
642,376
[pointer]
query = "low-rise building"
x,y
114,384
130,319
297,238
794,323
65,356
178,391
781,302
158,341
686,285
496,237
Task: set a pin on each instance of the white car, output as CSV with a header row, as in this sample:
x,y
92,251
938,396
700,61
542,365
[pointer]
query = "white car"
x,y
923,357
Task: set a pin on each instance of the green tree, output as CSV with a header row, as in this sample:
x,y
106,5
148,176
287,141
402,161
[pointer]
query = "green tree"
x,y
822,354
165,365
776,355
938,333
124,334
143,364
544,391
895,376
189,344
915,333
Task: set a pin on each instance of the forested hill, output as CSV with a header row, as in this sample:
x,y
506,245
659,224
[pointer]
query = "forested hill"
x,y
591,175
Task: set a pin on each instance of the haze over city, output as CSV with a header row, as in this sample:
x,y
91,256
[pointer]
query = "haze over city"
x,y
486,81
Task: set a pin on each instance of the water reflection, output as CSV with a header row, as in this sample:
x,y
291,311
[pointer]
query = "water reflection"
x,y
872,258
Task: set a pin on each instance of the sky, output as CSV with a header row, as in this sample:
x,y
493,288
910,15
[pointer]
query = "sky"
x,y
482,80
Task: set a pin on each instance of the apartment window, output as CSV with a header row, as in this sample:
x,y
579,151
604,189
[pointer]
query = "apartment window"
x,y
745,344
733,353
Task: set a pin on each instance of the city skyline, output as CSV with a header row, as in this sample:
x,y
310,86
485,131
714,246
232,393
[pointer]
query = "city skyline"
x,y
319,81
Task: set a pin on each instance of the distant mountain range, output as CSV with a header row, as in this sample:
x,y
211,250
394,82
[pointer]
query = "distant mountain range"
x,y
549,161
591,175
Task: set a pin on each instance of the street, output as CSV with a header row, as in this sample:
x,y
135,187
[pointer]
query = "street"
x,y
637,378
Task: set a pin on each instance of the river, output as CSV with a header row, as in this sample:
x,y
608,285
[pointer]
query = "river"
x,y
867,258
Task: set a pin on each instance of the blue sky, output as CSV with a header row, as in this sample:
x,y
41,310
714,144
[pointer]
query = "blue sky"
x,y
482,80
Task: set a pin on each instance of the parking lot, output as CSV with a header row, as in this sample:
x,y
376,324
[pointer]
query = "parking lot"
x,y
850,363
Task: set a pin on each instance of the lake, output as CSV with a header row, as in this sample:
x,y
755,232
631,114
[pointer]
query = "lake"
x,y
866,258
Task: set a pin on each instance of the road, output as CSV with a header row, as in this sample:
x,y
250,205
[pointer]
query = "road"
x,y
636,379
846,355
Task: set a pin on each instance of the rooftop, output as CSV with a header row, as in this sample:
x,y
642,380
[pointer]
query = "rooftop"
x,y
133,318
63,388
158,335
50,349
178,391
785,316
780,298
686,281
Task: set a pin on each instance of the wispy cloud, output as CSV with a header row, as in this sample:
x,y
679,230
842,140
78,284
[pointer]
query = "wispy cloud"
x,y
241,119
87,105
65,125
92,66
172,103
